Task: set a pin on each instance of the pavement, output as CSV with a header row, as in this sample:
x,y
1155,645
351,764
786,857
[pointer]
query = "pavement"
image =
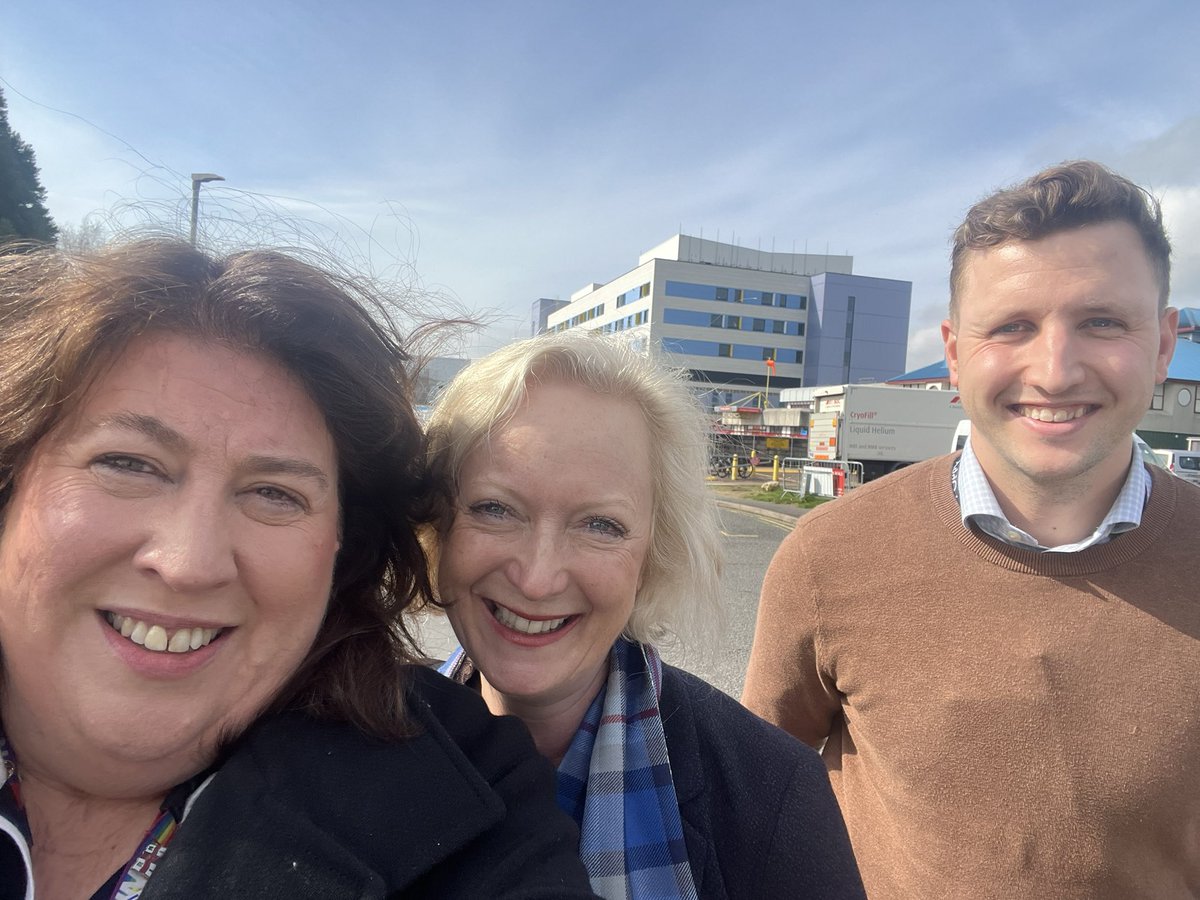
x,y
729,498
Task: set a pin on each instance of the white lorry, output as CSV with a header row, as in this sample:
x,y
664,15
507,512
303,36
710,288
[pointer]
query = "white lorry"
x,y
884,427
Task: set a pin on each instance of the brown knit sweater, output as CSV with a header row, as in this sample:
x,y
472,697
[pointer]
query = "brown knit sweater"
x,y
1000,723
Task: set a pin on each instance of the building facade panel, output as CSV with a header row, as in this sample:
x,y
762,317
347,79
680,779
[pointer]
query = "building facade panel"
x,y
847,309
722,312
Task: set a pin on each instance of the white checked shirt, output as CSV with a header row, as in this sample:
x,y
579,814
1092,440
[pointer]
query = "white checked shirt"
x,y
978,506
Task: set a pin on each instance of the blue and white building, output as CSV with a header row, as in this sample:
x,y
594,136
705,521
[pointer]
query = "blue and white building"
x,y
721,311
540,313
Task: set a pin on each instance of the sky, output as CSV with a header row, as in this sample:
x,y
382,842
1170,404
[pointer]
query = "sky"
x,y
481,155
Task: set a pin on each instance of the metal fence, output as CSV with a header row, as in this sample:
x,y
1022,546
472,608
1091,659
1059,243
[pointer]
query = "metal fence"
x,y
802,475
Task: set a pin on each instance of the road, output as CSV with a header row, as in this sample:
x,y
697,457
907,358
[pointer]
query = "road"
x,y
750,541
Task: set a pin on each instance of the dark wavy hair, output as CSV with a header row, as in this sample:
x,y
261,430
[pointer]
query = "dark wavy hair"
x,y
63,319
1066,196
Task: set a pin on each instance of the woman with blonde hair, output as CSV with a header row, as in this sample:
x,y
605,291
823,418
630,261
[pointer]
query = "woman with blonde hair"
x,y
577,532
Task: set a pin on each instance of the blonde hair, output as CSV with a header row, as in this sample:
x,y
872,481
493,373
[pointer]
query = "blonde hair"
x,y
680,587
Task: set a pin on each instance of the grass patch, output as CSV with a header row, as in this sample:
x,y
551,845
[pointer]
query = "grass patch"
x,y
807,501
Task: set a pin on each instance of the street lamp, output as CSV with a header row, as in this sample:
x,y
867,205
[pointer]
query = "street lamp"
x,y
199,178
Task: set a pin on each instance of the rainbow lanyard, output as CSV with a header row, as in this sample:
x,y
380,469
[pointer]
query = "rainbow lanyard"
x,y
139,869
142,866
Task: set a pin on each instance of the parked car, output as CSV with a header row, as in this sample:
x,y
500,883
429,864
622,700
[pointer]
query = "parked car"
x,y
1148,455
1184,463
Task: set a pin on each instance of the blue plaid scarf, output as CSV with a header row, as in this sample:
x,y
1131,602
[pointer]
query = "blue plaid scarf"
x,y
615,780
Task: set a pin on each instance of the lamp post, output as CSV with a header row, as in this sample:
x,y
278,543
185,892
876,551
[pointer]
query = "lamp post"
x,y
199,178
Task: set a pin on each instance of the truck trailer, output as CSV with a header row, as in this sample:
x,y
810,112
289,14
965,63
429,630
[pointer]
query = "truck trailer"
x,y
882,426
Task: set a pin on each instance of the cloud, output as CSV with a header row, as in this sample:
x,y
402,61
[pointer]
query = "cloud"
x,y
1181,210
1165,162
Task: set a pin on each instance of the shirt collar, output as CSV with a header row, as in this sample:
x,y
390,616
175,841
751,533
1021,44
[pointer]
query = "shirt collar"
x,y
978,505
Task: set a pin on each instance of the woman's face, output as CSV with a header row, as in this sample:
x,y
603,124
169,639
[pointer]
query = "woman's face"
x,y
542,562
165,560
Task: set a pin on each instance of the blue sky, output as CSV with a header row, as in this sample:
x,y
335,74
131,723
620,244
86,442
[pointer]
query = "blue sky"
x,y
490,153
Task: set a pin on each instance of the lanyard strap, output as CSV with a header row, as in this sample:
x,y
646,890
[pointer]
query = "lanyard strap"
x,y
142,866
153,845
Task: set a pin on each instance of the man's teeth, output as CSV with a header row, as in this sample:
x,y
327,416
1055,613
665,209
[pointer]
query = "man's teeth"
x,y
1043,414
510,619
155,637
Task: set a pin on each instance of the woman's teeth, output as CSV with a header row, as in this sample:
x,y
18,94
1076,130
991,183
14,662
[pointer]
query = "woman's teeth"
x,y
155,637
510,619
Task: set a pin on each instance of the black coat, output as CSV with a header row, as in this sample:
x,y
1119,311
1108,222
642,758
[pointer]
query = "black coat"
x,y
759,817
303,810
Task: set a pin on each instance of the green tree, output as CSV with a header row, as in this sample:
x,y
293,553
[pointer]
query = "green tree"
x,y
23,212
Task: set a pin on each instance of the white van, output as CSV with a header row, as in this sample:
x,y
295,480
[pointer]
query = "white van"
x,y
960,435
1184,463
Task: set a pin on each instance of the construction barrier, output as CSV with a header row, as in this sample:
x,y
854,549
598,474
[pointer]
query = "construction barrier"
x,y
820,477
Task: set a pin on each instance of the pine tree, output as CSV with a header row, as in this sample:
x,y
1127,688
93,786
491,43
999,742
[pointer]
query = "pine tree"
x,y
23,212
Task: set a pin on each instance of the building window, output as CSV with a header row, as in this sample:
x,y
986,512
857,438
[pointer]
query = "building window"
x,y
724,349
633,294
768,352
688,317
734,322
768,299
848,341
800,357
721,294
737,295
692,291
747,351
1156,402
691,348
758,325
716,321
777,326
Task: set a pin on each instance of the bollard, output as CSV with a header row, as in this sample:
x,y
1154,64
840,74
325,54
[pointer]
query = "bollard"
x,y
775,468
733,469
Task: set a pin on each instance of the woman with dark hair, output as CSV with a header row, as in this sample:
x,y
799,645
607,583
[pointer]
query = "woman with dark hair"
x,y
210,484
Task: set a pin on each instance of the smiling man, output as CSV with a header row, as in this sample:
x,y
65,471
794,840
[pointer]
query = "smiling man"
x,y
999,650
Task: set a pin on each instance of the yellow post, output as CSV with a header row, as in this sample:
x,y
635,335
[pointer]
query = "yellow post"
x,y
733,469
775,468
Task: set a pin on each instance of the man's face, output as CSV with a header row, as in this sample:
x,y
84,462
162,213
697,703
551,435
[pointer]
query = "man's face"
x,y
1055,349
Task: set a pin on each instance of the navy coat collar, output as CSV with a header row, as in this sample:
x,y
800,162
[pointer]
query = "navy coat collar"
x,y
307,795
